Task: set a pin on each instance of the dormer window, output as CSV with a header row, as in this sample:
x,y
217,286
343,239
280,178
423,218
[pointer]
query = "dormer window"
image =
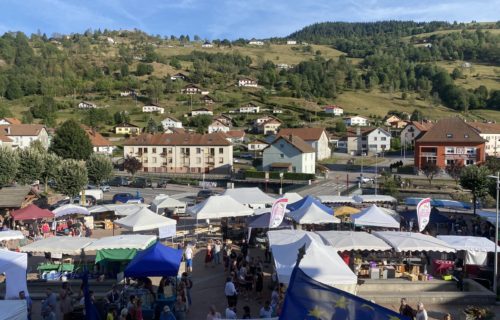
x,y
466,136
449,135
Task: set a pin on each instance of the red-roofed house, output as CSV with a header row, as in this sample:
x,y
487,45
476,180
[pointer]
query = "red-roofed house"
x,y
315,137
412,130
100,144
335,110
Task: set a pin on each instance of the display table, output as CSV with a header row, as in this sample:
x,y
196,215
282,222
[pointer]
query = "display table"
x,y
442,266
47,267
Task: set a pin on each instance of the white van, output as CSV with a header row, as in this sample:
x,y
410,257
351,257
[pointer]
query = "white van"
x,y
96,193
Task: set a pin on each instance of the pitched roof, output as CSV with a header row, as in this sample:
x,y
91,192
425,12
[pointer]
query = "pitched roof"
x,y
484,127
297,142
22,129
12,120
422,126
307,134
171,118
451,130
4,138
235,134
126,125
178,139
217,123
258,141
96,138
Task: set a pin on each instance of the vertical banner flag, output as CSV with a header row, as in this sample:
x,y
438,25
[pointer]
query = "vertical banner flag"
x,y
277,212
423,213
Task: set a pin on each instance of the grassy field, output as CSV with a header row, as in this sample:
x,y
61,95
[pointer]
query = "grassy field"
x,y
476,75
440,32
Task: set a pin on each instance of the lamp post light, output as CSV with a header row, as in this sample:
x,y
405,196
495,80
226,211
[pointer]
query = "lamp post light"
x,y
376,172
281,183
495,267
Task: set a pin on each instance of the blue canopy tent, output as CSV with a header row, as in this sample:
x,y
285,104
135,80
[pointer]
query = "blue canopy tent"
x,y
435,216
307,201
262,221
442,203
156,261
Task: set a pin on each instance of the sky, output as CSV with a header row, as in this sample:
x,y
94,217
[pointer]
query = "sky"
x,y
231,19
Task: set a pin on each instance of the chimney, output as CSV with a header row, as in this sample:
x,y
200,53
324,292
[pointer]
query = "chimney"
x,y
7,130
290,137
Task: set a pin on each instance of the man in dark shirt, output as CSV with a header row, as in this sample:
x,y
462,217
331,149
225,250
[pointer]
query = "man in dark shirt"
x,y
405,309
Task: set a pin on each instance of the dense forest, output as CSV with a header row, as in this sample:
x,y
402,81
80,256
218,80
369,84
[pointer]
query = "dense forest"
x,y
391,56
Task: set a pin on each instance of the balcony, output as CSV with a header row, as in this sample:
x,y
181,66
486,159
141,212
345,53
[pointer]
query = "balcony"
x,y
428,154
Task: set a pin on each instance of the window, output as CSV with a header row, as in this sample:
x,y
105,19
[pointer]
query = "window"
x,y
471,150
449,150
375,139
154,150
450,162
154,159
449,135
164,150
383,146
198,150
383,139
221,159
145,150
170,160
169,150
282,155
469,162
198,160
221,150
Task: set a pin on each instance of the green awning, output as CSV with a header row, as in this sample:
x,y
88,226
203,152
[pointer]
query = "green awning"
x,y
115,254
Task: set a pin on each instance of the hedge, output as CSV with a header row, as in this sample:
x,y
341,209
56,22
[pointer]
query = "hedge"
x,y
276,175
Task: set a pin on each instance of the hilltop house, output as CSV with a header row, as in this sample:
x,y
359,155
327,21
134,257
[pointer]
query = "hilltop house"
x,y
291,42
127,128
247,82
250,108
86,105
171,122
257,145
20,136
335,110
191,89
207,44
450,141
217,126
269,126
256,43
201,111
315,137
181,153
207,99
228,121
391,119
127,93
179,76
7,121
153,108
356,121
235,136
289,154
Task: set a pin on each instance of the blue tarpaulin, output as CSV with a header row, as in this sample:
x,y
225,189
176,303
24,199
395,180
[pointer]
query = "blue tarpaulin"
x,y
443,203
306,202
156,261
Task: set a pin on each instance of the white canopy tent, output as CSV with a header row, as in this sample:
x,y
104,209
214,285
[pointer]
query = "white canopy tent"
x,y
352,240
164,201
409,241
13,310
216,207
469,243
70,209
124,241
58,245
144,219
312,214
374,217
252,197
11,235
371,198
336,199
292,197
321,262
14,265
120,209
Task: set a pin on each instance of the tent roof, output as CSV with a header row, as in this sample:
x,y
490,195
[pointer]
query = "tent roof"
x,y
164,201
306,201
435,216
13,309
375,217
345,210
59,245
412,201
124,241
312,213
14,265
216,207
351,240
144,219
409,241
469,243
70,209
373,198
487,215
11,235
336,199
31,212
120,209
156,261
249,196
321,262
262,221
292,197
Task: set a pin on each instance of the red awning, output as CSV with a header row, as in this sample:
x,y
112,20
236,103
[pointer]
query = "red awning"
x,y
31,212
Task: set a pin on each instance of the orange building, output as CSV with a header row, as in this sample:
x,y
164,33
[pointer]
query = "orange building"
x,y
450,141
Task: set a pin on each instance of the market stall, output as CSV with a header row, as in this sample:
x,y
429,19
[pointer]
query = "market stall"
x,y
320,262
13,265
292,197
410,241
374,217
8,235
372,198
70,209
251,197
217,207
336,199
31,212
156,261
345,211
353,240
312,211
162,202
119,209
442,203
144,219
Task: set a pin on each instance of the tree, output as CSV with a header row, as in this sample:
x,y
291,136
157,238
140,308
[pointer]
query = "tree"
x,y
31,166
155,90
201,122
144,69
340,126
454,170
5,111
416,115
71,142
51,165
132,165
430,170
151,126
476,180
9,164
99,168
71,177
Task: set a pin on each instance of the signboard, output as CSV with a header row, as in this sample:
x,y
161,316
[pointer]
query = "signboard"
x,y
167,231
423,213
277,212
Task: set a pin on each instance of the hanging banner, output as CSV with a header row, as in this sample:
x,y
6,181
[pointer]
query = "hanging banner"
x,y
277,212
423,213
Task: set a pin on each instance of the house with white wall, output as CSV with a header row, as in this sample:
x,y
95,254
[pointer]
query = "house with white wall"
x,y
86,105
412,130
171,122
201,111
289,154
335,110
317,138
490,132
153,108
257,145
374,141
356,121
217,126
250,108
22,135
247,82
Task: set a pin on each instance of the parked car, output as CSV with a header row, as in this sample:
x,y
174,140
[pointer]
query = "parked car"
x,y
127,198
162,183
105,188
119,182
364,179
141,183
204,194
88,201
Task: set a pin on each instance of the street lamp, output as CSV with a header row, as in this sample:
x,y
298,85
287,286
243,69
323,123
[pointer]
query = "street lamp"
x,y
376,172
495,267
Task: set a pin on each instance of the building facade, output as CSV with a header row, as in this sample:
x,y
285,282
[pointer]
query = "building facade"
x,y
291,154
315,137
412,130
246,82
217,126
153,108
491,133
127,128
374,141
22,135
335,110
181,153
356,121
171,122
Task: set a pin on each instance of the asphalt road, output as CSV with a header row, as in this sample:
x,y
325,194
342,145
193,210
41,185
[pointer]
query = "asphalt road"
x,y
176,191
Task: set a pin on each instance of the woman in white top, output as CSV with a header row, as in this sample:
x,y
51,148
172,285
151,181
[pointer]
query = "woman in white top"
x,y
421,313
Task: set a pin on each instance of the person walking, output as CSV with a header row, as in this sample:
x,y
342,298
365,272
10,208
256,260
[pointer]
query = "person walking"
x,y
166,314
230,292
65,301
180,309
208,254
213,314
29,302
188,285
421,312
405,309
217,252
188,254
49,304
